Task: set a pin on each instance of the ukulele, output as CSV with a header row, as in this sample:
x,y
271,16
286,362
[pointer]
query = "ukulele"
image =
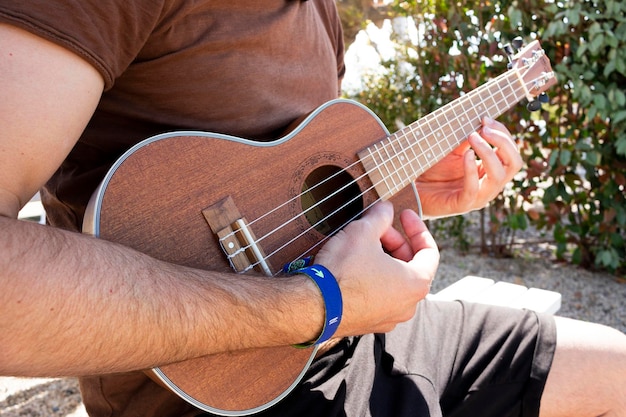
x,y
263,205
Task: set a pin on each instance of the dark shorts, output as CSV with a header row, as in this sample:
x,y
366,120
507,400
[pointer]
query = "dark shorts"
x,y
452,359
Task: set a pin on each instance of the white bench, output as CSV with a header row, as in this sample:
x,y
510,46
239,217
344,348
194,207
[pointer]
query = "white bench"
x,y
487,291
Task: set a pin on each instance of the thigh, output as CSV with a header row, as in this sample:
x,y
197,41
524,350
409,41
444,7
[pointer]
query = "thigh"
x,y
482,360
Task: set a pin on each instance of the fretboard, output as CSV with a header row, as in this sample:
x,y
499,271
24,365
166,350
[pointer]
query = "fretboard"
x,y
400,158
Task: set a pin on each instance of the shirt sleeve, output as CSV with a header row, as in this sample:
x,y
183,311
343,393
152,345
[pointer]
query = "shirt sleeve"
x,y
107,34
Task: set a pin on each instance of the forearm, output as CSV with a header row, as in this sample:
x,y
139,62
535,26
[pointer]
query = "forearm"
x,y
75,305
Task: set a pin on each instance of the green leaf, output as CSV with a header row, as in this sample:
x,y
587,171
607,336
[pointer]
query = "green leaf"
x,y
608,258
609,68
515,16
583,146
617,240
620,146
599,101
553,158
559,235
577,256
618,116
620,97
593,158
596,43
594,29
621,217
589,75
573,16
518,221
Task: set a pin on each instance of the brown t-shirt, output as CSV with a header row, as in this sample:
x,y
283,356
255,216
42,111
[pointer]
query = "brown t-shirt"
x,y
242,67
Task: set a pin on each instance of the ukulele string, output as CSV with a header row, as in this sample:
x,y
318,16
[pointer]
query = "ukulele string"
x,y
462,102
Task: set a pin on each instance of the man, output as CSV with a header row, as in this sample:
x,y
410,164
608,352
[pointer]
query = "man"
x,y
82,81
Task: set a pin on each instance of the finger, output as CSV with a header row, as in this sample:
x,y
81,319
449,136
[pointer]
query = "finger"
x,y
396,244
425,259
379,217
498,136
417,233
495,171
419,252
417,237
494,124
471,180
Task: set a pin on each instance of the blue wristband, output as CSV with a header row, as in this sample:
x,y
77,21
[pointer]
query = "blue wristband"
x,y
333,303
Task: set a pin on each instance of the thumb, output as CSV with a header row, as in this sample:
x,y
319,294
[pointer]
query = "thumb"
x,y
379,217
359,239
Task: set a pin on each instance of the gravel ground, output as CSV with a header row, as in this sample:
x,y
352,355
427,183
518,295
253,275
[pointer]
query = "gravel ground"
x,y
586,295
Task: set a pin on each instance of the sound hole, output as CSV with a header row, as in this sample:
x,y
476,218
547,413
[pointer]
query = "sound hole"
x,y
330,199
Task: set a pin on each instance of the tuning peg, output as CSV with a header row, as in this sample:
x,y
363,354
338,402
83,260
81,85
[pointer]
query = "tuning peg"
x,y
511,48
508,50
543,98
534,105
518,42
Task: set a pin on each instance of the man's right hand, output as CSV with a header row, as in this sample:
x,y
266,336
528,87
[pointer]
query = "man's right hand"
x,y
382,274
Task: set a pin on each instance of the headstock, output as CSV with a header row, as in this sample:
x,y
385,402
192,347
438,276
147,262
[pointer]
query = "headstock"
x,y
533,69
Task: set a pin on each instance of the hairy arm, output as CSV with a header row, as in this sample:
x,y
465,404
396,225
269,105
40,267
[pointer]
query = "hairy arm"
x,y
75,305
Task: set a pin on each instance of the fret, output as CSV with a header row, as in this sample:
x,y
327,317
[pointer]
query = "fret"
x,y
499,94
509,91
434,145
419,156
453,139
386,173
514,95
435,136
455,123
444,125
375,169
478,112
427,145
469,123
444,132
414,158
503,94
391,163
403,159
495,98
461,119
493,108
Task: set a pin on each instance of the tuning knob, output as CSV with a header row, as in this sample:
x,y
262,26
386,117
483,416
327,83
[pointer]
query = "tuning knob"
x,y
511,48
508,49
533,105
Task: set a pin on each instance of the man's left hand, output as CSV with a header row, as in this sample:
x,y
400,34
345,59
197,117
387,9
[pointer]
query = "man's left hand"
x,y
460,182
